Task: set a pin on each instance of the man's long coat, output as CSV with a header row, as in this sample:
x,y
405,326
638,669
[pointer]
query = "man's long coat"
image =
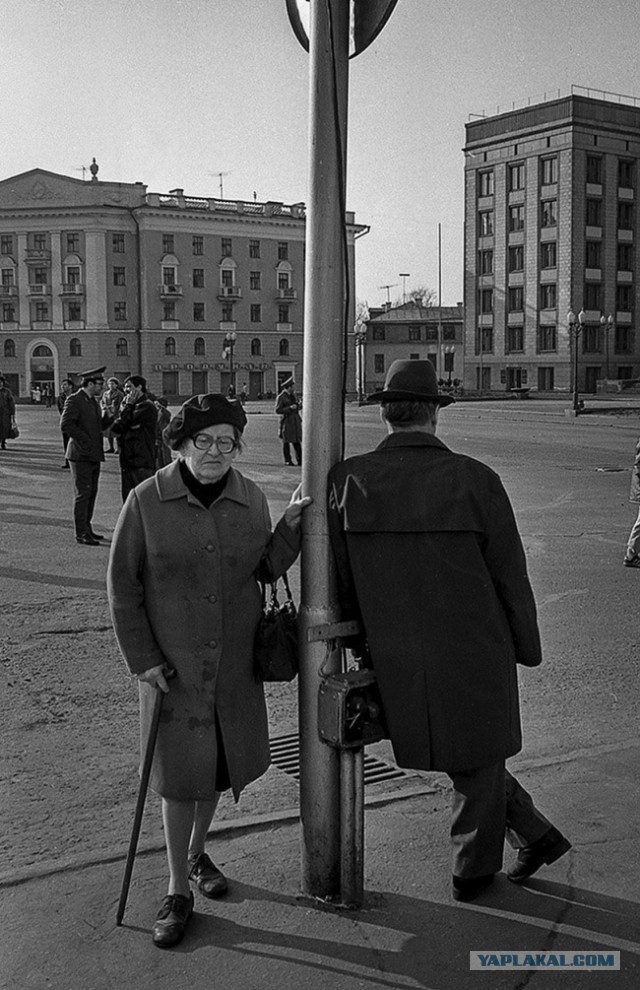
x,y
430,561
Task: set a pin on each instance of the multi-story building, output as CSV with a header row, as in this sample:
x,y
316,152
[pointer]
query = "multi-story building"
x,y
551,229
193,293
409,332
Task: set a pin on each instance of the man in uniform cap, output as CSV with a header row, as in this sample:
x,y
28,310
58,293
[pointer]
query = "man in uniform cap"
x,y
83,422
290,430
431,564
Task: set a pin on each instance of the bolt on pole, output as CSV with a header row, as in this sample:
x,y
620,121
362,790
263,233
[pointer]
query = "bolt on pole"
x,y
325,286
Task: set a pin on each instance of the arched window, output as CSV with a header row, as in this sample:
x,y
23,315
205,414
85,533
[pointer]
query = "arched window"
x,y
170,346
284,347
198,347
122,347
256,347
9,348
75,347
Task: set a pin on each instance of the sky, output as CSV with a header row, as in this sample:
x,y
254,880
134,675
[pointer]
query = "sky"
x,y
172,93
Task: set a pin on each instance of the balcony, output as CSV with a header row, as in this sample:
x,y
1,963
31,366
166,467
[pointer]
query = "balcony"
x,y
8,290
41,324
287,294
229,292
38,254
170,291
72,289
39,289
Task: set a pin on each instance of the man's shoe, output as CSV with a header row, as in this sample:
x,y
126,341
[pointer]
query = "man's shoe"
x,y
632,560
65,466
171,920
209,880
468,888
548,849
96,536
87,540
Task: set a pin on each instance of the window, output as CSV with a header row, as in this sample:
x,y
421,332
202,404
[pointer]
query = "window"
x,y
170,347
515,339
284,280
283,348
548,254
594,213
625,216
169,311
625,174
168,275
549,171
378,364
74,311
254,249
549,212
283,250
624,298
167,243
197,244
378,333
414,333
516,176
73,243
284,313
592,339
198,312
226,247
40,242
75,347
120,311
40,276
593,295
485,262
485,183
8,312
485,223
6,244
8,276
198,278
72,275
625,257
516,218
42,311
198,347
484,340
117,243
593,254
122,347
515,299
545,380
227,312
594,169
119,276
548,296
516,258
547,339
485,301
623,341
256,347
256,313
255,280
9,348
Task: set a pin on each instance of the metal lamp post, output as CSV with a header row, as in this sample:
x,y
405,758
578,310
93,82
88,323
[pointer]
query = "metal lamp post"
x,y
360,341
450,349
576,324
606,324
229,343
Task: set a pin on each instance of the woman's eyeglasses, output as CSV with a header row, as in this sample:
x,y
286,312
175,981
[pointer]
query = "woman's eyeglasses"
x,y
225,445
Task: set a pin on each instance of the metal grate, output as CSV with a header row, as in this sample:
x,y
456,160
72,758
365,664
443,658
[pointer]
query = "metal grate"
x,y
285,754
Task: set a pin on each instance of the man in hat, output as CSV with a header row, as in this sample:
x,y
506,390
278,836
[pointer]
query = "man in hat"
x,y
135,427
430,562
290,430
83,422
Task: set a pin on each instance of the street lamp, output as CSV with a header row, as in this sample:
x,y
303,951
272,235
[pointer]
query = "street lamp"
x,y
229,343
449,352
360,335
576,324
606,325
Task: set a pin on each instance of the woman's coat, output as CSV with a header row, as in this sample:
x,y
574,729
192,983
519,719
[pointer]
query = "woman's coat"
x,y
183,591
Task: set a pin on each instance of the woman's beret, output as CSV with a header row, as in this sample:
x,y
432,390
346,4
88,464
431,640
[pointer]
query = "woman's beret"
x,y
201,411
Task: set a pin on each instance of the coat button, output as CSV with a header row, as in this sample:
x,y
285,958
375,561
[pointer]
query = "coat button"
x,y
213,599
213,643
210,547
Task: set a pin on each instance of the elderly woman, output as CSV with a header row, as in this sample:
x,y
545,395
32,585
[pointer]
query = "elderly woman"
x,y
187,550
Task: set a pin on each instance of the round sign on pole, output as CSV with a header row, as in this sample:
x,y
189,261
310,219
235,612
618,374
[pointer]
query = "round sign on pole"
x,y
367,19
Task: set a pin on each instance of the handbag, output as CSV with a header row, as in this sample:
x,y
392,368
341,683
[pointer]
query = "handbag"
x,y
276,643
14,432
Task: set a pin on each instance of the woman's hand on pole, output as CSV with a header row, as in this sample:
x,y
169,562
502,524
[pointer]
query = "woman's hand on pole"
x,y
297,504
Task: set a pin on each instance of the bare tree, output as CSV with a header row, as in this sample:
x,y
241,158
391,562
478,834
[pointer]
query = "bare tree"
x,y
421,297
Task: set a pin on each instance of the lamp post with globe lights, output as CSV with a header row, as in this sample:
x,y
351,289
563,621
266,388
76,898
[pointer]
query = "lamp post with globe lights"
x,y
576,325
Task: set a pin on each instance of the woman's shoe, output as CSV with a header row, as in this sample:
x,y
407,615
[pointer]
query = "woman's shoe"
x,y
631,560
209,880
171,920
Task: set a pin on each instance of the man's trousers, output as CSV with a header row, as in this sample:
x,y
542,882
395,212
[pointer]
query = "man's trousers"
x,y
86,475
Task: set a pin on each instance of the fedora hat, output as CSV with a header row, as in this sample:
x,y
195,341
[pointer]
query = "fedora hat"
x,y
411,380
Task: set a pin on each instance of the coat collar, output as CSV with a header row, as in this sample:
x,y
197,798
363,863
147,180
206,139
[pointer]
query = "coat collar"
x,y
170,485
411,439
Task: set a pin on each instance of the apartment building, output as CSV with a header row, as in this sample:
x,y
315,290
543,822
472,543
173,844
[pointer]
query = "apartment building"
x,y
551,229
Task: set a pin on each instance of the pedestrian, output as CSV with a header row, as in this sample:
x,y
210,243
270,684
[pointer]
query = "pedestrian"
x,y
430,562
135,428
110,404
188,548
83,422
632,556
7,413
66,389
163,451
290,428
244,394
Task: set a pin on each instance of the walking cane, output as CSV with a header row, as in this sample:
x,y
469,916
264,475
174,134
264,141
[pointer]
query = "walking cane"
x,y
142,794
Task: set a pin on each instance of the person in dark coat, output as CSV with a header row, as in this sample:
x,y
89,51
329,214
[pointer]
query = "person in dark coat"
x,y
83,422
430,562
67,387
187,552
7,412
632,554
290,429
135,427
